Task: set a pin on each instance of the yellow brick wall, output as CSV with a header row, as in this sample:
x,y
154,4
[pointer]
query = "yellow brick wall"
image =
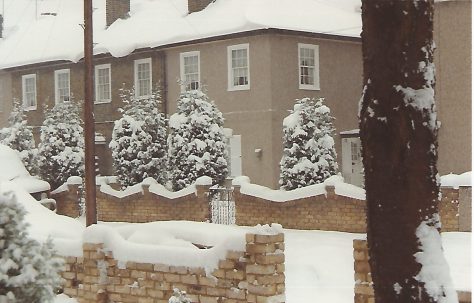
x,y
254,275
321,212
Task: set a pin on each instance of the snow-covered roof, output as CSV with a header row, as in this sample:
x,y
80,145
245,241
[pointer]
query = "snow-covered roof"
x,y
49,30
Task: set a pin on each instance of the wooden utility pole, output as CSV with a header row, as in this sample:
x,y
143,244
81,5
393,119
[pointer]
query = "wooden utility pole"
x,y
398,128
89,129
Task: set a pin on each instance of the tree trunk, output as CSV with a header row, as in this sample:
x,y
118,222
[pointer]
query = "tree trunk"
x,y
398,130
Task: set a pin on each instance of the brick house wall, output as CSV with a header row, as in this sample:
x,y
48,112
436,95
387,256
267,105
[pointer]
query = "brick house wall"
x,y
122,76
254,275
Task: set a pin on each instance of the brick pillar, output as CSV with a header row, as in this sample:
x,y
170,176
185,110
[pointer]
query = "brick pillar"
x,y
67,202
73,275
364,292
265,270
465,208
202,193
95,274
331,192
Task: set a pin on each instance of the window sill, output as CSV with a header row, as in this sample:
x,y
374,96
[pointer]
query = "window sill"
x,y
103,102
309,87
237,88
31,108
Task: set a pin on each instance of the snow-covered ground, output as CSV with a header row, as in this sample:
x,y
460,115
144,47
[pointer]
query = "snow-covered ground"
x,y
319,264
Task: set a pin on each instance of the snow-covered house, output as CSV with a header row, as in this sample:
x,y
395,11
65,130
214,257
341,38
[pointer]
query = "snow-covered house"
x,y
254,58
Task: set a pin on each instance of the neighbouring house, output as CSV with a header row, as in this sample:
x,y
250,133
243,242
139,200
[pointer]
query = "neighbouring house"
x,y
254,58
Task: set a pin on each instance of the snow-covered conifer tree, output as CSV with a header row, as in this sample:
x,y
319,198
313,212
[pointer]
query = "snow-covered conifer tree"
x,y
196,143
61,150
138,140
309,155
18,136
28,269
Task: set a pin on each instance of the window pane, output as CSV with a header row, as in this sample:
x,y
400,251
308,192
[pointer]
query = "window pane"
x,y
103,84
63,86
143,79
191,72
239,66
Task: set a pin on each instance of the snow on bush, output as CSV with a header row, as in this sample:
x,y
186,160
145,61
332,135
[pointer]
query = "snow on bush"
x,y
139,140
196,143
28,269
61,150
18,136
309,155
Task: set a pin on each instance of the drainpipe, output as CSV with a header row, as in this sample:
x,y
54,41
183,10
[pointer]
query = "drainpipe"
x,y
1,26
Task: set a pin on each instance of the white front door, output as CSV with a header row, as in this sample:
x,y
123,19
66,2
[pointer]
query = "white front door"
x,y
352,168
235,155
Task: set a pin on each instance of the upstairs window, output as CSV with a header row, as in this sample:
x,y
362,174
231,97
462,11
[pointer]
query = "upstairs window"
x,y
308,58
62,85
29,91
190,70
143,77
238,67
102,83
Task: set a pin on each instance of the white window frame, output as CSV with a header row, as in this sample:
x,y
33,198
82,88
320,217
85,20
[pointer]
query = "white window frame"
x,y
24,78
96,73
136,63
182,74
230,72
316,85
56,93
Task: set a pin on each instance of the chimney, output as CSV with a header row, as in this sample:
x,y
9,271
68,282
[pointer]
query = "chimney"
x,y
116,9
198,5
1,26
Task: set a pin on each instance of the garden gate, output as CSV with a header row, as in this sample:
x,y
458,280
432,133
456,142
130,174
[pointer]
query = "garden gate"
x,y
222,205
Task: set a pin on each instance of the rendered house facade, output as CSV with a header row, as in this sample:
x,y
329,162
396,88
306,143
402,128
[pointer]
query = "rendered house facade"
x,y
254,76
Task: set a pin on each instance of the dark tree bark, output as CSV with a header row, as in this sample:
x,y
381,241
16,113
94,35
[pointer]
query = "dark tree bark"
x,y
398,130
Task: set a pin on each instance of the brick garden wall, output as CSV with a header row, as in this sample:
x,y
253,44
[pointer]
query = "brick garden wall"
x,y
255,275
147,206
323,212
363,290
320,212
339,213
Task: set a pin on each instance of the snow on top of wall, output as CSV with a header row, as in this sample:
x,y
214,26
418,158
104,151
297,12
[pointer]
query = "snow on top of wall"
x,y
12,169
154,187
169,242
65,232
341,188
73,180
134,189
32,38
454,180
